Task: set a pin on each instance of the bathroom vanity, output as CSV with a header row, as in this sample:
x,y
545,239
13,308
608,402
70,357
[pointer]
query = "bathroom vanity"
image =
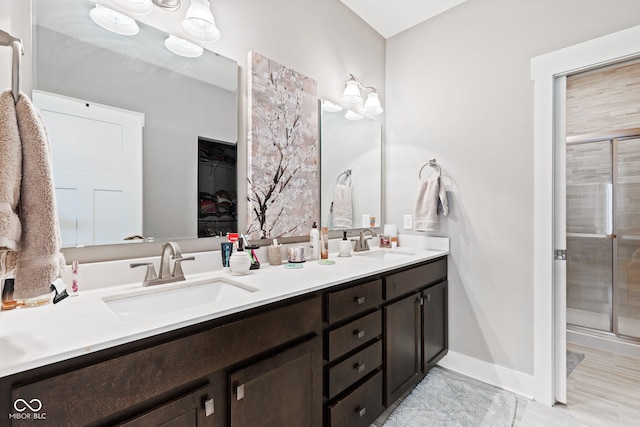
x,y
322,345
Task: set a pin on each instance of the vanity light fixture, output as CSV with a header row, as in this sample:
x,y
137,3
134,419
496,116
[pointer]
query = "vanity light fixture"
x,y
114,21
351,96
134,7
183,47
330,106
352,115
198,23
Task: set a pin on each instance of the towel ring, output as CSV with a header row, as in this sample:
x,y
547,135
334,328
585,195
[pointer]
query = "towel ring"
x,y
432,163
7,39
347,177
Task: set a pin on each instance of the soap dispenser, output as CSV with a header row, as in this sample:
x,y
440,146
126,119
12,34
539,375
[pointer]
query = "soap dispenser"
x,y
345,246
240,261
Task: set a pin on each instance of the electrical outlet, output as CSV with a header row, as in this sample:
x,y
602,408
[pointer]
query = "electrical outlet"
x,y
408,222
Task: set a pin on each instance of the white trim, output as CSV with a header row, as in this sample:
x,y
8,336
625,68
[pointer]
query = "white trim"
x,y
607,49
496,375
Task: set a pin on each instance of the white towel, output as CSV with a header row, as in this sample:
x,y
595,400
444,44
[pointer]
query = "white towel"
x,y
431,202
39,261
10,173
342,207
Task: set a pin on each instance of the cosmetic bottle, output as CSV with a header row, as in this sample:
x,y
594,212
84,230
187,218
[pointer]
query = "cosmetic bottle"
x,y
314,242
324,245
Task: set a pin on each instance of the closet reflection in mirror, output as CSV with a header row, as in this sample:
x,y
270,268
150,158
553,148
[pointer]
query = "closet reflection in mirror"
x,y
180,99
351,170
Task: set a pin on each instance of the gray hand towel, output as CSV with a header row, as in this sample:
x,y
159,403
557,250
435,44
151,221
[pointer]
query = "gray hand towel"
x,y
39,261
10,173
431,202
342,207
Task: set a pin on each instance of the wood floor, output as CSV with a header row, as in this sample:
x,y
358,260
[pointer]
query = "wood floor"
x,y
602,391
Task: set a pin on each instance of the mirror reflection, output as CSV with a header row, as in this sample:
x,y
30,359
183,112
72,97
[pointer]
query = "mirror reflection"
x,y
177,102
351,174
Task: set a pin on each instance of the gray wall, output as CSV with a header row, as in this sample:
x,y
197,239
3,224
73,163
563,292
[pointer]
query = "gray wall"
x,y
459,89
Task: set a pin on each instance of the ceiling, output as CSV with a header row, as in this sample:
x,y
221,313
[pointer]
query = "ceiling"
x,y
390,17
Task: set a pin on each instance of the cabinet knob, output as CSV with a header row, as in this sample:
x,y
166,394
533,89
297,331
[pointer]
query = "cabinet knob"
x,y
360,300
208,407
360,367
358,333
361,411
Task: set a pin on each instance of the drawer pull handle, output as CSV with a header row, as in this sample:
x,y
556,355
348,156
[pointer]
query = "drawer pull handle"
x,y
361,411
240,392
208,407
359,334
360,300
360,367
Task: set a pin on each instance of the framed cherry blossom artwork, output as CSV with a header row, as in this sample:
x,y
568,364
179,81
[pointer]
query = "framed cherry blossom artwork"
x,y
282,149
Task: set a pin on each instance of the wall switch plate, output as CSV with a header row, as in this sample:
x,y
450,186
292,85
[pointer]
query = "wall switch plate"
x,y
408,222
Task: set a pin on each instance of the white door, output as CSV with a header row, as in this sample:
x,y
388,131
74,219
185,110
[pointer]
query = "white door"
x,y
560,243
97,169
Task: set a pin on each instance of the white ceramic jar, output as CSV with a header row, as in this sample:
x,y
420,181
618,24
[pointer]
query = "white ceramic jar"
x,y
240,262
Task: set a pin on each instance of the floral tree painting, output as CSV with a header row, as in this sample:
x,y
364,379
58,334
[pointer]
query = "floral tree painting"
x,y
282,175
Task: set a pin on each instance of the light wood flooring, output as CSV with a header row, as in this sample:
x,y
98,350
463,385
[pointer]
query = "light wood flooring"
x,y
602,391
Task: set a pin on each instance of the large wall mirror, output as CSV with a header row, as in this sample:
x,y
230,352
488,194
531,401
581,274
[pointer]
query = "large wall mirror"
x,y
351,169
177,99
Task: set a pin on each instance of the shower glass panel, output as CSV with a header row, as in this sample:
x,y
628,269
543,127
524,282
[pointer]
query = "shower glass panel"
x,y
589,235
628,238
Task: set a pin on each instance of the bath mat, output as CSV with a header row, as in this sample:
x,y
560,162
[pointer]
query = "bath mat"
x,y
573,359
446,399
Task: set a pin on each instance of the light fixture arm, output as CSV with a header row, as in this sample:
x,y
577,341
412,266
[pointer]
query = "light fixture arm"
x,y
360,85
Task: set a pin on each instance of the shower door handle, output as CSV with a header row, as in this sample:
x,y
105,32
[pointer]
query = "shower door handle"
x,y
560,254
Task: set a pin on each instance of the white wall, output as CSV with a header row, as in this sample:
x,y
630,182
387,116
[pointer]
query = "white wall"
x,y
459,89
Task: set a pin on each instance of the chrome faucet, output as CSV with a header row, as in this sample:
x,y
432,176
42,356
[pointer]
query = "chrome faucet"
x,y
362,243
169,250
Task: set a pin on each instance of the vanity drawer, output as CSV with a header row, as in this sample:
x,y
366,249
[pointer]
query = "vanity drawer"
x,y
356,367
406,281
359,408
354,334
354,300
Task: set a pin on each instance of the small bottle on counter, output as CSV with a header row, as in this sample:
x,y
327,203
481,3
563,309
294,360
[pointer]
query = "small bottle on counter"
x,y
324,246
314,242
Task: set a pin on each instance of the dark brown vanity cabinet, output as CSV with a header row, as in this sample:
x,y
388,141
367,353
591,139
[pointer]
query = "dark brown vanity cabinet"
x,y
416,319
353,355
191,377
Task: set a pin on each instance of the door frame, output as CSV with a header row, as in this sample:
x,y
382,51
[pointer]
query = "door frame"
x,y
608,49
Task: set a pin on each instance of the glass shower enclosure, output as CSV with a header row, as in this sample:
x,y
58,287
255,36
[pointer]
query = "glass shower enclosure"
x,y
603,232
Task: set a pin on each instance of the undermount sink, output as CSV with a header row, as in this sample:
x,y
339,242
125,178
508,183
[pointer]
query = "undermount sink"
x,y
151,302
384,254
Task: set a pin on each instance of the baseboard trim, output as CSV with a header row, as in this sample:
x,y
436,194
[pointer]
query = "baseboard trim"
x,y
490,373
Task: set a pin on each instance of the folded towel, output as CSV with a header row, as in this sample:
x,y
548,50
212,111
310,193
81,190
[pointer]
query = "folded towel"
x,y
39,261
10,173
431,202
342,207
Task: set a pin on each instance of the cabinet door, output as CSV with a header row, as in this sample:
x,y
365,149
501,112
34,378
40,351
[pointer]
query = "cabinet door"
x,y
402,346
193,409
283,390
435,318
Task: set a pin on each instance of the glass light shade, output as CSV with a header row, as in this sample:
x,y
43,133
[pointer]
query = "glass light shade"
x,y
351,94
199,24
183,47
114,21
135,7
372,105
330,106
352,115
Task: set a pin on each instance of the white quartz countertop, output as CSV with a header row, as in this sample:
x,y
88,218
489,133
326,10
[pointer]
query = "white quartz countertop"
x,y
78,325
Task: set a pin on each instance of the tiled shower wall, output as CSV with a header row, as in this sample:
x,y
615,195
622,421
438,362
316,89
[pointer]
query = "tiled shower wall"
x,y
604,99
